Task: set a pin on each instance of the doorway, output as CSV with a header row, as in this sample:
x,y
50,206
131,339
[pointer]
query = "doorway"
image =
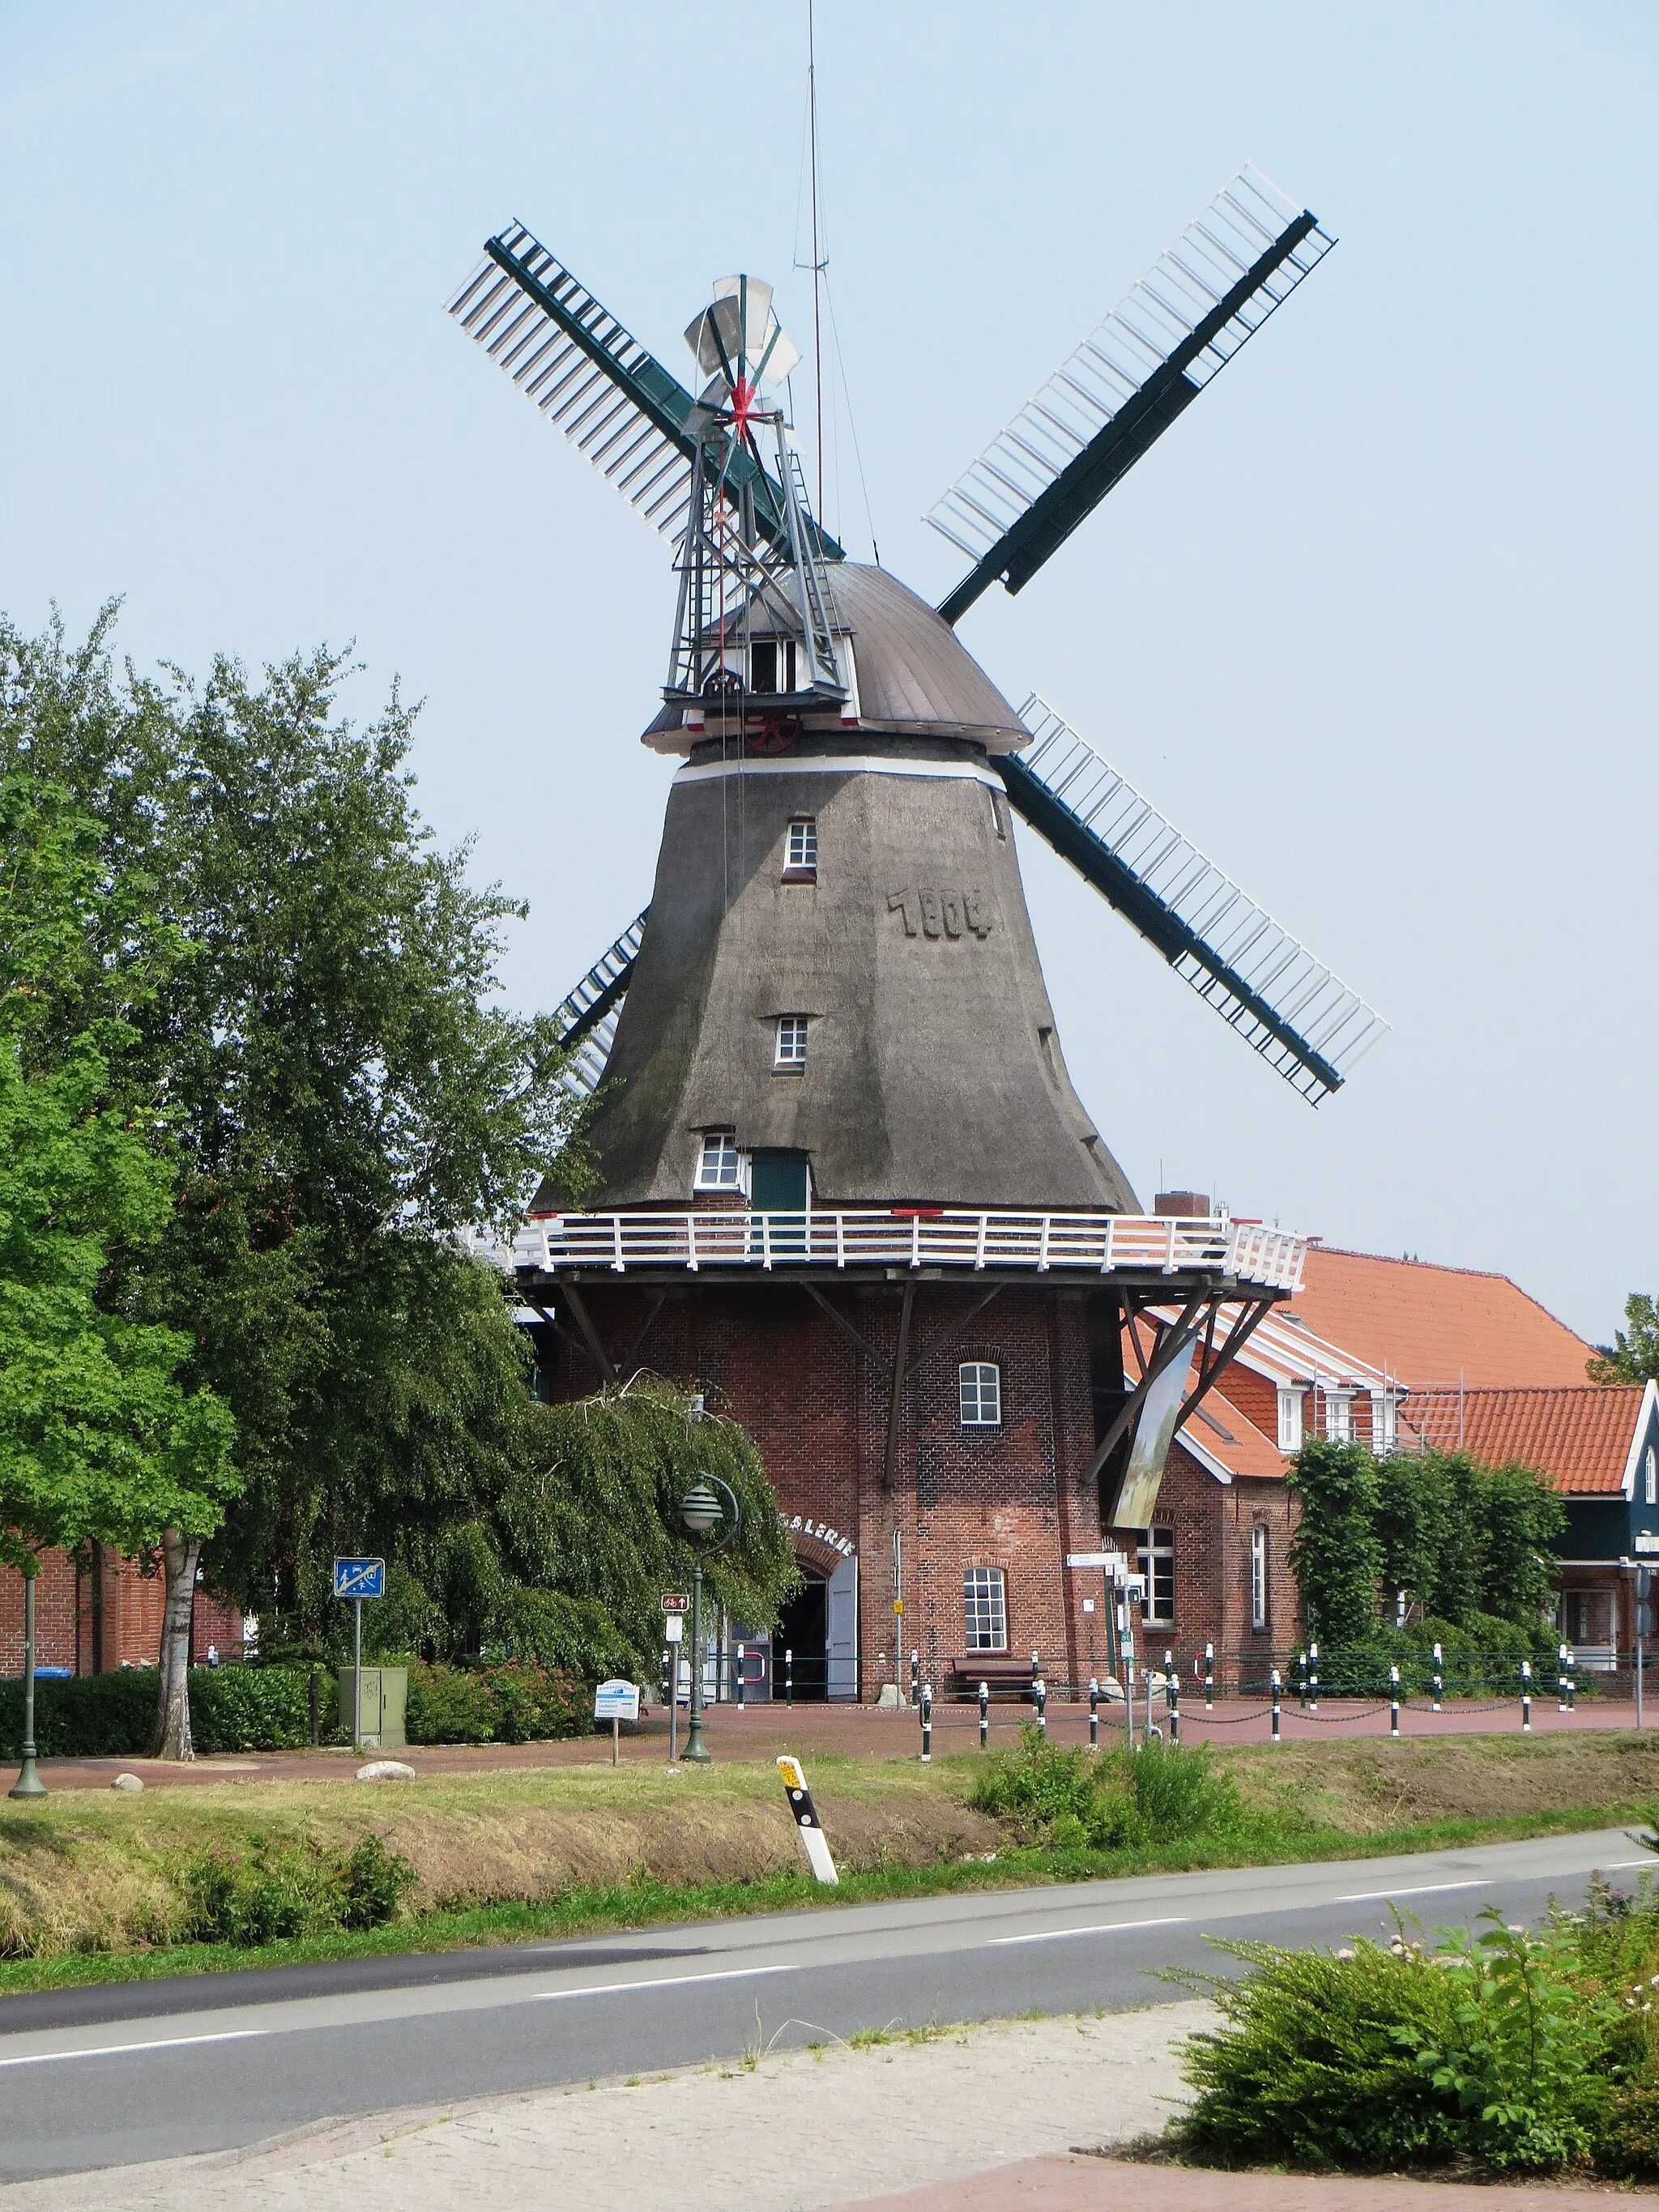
x,y
803,1629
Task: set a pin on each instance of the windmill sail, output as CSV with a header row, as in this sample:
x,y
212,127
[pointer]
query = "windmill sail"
x,y
1304,1021
614,400
587,1019
1101,410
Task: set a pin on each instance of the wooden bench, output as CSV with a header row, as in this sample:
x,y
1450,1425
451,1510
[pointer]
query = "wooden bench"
x,y
1003,1676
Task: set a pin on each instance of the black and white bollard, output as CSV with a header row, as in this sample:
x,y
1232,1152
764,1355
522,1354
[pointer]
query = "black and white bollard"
x,y
1526,1697
742,1671
927,1724
1439,1676
788,1678
1209,1678
1094,1714
1313,1678
1393,1701
1561,1679
1174,1693
1572,1681
1275,1735
807,1822
915,1677
1040,1699
984,1716
1302,1680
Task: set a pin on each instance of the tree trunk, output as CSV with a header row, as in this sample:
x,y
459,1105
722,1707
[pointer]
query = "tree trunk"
x,y
180,1555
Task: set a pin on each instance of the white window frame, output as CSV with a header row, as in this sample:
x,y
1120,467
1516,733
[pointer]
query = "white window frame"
x,y
1156,1558
984,1609
1338,1416
800,846
1651,1476
1259,1594
1290,1421
979,1394
790,1049
719,1163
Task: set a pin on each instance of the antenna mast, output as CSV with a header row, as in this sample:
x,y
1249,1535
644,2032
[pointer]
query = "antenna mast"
x,y
818,261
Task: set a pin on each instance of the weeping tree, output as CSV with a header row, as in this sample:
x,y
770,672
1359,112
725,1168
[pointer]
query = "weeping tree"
x,y
343,1094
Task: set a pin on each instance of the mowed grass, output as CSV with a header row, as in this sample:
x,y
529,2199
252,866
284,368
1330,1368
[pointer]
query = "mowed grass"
x,y
94,1886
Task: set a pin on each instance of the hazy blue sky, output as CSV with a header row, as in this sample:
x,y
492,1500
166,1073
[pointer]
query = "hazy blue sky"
x,y
1374,624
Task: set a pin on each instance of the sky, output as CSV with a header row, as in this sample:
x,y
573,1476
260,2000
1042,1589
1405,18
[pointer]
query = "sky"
x,y
1374,623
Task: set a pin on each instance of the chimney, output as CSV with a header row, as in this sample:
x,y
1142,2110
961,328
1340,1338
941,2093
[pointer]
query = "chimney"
x,y
1182,1205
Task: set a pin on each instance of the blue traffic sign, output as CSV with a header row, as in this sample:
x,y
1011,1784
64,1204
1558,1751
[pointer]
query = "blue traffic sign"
x,y
360,1579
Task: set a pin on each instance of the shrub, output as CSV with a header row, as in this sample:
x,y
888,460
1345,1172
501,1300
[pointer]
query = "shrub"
x,y
232,1708
507,1704
1163,1794
1495,2047
276,1889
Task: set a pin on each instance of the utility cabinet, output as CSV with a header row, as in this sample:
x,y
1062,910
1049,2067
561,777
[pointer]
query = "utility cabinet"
x,y
385,1699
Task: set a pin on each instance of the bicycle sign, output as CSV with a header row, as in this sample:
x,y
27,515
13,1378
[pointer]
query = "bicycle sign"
x,y
360,1579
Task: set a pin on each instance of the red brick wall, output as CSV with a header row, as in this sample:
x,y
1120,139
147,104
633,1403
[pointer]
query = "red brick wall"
x,y
66,1631
1018,1497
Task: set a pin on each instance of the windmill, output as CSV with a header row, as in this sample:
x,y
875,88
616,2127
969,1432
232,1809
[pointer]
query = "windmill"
x,y
825,1047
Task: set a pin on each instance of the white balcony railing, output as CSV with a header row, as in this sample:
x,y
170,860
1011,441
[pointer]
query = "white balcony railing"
x,y
1040,1243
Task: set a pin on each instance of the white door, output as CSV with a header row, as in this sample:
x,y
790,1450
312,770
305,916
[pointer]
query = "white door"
x,y
841,1627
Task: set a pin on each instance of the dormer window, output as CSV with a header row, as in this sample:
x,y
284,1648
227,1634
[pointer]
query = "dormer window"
x,y
1290,1421
772,664
800,850
718,1165
792,1042
1338,1416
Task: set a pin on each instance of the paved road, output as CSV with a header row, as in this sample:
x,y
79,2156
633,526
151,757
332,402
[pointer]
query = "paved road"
x,y
104,2077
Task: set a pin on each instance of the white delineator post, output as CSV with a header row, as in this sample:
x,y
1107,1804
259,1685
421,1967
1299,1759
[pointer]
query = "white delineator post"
x,y
806,1821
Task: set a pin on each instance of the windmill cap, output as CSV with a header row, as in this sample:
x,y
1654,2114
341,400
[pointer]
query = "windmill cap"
x,y
915,678
740,331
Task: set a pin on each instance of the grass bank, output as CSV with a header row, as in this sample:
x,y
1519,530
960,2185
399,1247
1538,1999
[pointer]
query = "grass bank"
x,y
98,1887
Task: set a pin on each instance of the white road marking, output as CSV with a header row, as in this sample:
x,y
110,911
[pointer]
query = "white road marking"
x,y
660,1982
1423,1889
1094,1928
128,2049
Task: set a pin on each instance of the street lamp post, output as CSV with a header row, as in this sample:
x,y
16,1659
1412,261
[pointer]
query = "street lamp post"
x,y
28,1782
708,1506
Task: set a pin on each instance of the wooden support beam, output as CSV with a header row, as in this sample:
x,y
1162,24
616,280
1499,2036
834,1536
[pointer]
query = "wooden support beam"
x,y
585,1322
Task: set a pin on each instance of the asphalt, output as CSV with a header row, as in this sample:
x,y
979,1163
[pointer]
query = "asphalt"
x,y
162,2070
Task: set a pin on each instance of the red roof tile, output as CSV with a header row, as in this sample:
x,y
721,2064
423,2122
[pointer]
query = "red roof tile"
x,y
1426,1324
1581,1437
1220,1436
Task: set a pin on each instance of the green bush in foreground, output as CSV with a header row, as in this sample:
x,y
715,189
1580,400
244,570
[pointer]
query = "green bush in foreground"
x,y
1511,2050
1125,1800
271,1891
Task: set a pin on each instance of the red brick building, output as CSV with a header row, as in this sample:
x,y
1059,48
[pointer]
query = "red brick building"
x,y
94,1612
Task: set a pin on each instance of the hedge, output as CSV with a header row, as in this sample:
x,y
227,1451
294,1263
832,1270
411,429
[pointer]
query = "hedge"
x,y
113,1716
242,1708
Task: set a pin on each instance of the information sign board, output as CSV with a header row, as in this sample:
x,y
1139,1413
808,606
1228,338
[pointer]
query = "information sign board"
x,y
360,1579
676,1601
616,1701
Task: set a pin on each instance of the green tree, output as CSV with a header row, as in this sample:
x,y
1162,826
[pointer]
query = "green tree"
x,y
1416,1524
98,1439
345,1091
1633,1355
1522,1516
1335,1554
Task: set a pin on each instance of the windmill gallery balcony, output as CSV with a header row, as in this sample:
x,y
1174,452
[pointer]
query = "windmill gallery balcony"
x,y
912,1241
